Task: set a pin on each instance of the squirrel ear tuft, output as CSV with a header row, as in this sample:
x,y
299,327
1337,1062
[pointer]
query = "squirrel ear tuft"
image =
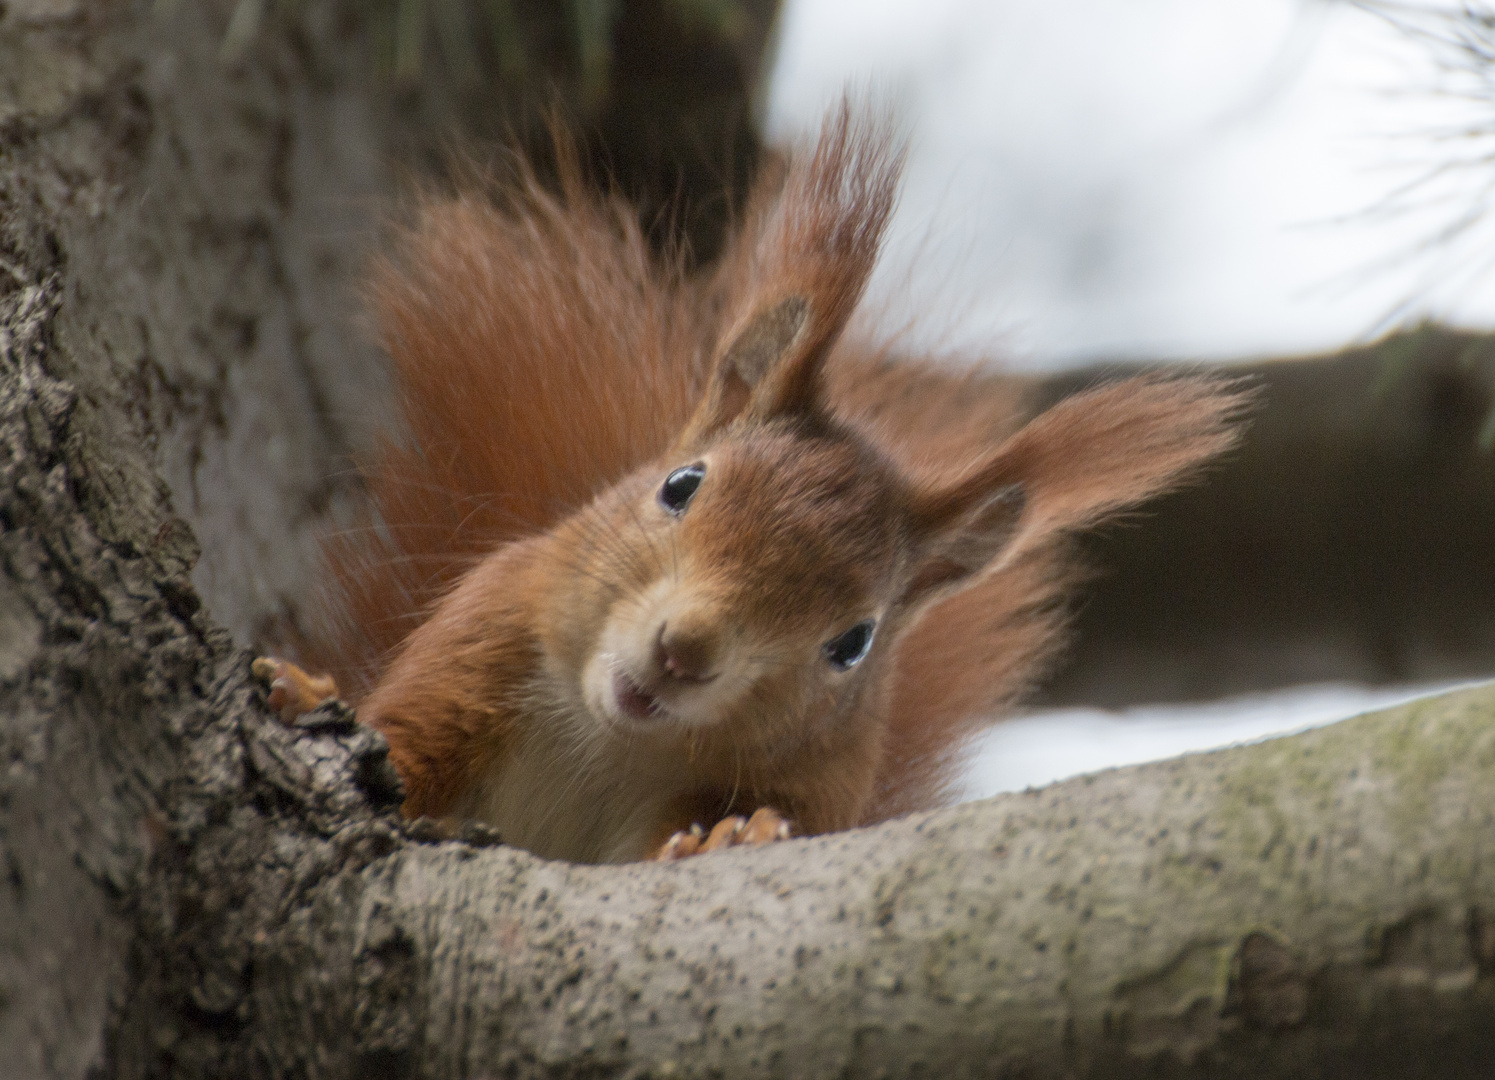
x,y
766,371
789,282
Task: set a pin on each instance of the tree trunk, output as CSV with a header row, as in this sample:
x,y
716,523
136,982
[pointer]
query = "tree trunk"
x,y
192,889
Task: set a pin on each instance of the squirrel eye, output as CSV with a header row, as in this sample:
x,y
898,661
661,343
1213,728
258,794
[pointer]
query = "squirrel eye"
x,y
848,650
680,486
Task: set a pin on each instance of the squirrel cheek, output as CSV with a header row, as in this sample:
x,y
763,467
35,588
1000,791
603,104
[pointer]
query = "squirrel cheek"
x,y
597,686
615,651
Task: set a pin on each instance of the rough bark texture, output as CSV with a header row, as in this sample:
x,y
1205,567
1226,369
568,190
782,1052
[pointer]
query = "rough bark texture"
x,y
189,888
1315,906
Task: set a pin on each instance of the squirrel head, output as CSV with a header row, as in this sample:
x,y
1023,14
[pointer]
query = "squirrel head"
x,y
756,577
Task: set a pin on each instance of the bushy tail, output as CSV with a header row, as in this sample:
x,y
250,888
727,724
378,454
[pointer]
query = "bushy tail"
x,y
540,352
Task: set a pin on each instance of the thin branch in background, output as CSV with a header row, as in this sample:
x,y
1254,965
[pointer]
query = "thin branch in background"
x,y
1457,185
457,44
724,18
1461,42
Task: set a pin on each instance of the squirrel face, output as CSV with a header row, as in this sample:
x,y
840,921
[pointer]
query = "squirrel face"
x,y
738,587
743,587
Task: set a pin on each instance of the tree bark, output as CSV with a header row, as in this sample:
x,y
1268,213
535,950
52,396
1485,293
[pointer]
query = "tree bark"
x,y
191,888
1314,906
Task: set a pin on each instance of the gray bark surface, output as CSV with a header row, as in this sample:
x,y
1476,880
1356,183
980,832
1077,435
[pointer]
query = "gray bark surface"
x,y
189,888
177,242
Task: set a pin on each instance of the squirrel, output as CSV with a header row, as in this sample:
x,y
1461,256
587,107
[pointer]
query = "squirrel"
x,y
666,553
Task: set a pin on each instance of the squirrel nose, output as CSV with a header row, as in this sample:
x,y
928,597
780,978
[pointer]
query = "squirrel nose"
x,y
686,652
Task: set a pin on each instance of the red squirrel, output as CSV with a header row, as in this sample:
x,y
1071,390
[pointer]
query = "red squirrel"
x,y
665,551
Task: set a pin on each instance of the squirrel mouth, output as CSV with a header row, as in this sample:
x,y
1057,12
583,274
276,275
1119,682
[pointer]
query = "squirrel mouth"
x,y
633,700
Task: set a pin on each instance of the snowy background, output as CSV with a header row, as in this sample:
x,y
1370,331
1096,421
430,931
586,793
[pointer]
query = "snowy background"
x,y
1185,179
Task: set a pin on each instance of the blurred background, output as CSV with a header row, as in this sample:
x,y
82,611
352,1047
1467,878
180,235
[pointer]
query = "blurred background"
x,y
1161,180
1208,179
1296,189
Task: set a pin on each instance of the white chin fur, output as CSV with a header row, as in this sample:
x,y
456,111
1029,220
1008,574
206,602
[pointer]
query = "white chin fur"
x,y
600,693
623,648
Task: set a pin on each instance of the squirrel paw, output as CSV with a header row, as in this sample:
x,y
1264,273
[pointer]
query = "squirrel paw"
x,y
293,691
765,826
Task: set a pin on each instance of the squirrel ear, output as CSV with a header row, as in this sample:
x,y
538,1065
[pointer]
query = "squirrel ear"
x,y
1084,460
789,282
964,529
768,370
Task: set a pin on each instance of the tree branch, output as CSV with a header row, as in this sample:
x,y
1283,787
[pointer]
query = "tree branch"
x,y
1319,905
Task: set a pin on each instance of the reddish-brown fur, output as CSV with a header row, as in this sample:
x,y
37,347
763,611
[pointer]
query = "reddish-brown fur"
x,y
540,354
544,357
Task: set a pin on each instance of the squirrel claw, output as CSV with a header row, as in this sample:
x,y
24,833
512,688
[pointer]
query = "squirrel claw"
x,y
765,826
681,845
292,691
725,834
